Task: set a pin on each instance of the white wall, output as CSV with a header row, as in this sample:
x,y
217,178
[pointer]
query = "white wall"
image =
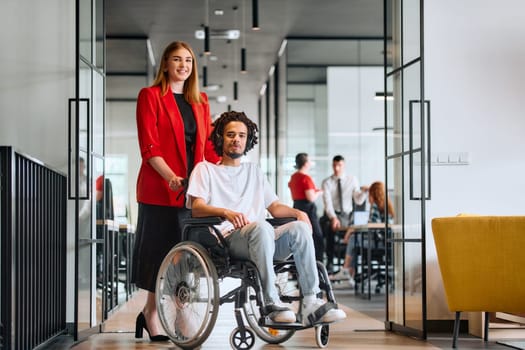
x,y
37,77
475,52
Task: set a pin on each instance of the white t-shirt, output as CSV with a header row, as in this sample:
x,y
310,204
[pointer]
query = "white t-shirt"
x,y
243,189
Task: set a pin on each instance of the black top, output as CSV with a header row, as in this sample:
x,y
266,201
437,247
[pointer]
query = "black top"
x,y
190,128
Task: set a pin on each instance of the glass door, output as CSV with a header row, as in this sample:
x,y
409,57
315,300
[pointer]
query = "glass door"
x,y
86,161
407,164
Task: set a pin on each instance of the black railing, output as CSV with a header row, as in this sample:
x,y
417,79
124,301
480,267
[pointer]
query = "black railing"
x,y
33,251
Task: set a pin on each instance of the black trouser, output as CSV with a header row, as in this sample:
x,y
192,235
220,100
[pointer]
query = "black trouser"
x,y
329,236
311,210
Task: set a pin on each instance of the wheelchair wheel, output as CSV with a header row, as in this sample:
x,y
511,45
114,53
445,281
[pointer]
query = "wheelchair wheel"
x,y
322,333
252,314
187,295
242,339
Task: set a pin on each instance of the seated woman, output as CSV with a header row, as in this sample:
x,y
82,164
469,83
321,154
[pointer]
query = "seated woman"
x,y
376,198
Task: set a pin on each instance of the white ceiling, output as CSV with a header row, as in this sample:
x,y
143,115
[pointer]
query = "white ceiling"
x,y
130,22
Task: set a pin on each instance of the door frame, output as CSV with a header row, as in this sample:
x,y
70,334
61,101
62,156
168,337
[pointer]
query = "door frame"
x,y
411,155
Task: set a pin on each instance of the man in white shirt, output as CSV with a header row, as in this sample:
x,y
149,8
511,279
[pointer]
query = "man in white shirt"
x,y
340,192
240,193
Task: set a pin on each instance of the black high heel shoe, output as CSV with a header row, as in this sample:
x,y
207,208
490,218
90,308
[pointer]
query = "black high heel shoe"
x,y
141,324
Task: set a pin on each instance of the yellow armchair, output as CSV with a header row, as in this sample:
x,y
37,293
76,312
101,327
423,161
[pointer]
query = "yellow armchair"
x,y
482,263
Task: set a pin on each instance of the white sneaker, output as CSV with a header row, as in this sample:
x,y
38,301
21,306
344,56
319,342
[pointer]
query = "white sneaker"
x,y
331,315
344,277
280,313
343,284
342,274
281,280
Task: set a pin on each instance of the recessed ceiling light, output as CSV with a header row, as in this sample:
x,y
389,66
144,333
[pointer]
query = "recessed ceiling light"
x,y
231,34
212,87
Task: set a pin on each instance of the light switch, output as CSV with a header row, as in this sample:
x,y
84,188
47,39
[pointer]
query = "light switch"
x,y
464,158
453,157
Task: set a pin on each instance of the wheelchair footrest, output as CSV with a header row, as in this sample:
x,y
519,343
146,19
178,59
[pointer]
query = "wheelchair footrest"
x,y
267,322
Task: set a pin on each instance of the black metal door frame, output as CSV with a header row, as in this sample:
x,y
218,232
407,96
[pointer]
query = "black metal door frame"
x,y
410,155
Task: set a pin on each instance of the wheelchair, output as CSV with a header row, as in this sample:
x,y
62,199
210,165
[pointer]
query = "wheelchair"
x,y
187,291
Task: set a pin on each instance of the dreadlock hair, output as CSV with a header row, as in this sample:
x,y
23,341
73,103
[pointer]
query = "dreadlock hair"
x,y
217,137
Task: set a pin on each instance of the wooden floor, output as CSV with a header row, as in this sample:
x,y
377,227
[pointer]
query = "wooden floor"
x,y
358,331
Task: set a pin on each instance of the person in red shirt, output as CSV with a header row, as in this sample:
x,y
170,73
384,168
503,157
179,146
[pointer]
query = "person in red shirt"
x,y
304,193
173,127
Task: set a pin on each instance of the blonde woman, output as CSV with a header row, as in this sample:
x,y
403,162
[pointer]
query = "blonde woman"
x,y
173,124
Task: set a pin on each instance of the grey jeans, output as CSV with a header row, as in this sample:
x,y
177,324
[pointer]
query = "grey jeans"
x,y
262,244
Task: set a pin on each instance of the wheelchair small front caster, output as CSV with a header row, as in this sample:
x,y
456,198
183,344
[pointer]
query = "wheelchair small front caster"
x,y
242,338
322,333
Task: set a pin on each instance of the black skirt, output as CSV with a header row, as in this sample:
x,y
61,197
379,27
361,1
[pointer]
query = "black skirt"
x,y
159,228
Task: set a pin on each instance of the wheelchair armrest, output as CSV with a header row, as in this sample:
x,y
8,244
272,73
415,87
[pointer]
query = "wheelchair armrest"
x,y
204,237
280,221
207,220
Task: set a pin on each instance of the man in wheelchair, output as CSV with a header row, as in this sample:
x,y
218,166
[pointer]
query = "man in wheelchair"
x,y
240,193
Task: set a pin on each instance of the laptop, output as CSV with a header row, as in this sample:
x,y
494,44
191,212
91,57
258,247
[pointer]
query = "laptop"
x,y
361,217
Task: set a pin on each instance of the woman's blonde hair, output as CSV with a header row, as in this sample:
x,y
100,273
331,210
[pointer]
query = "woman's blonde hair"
x,y
191,86
377,192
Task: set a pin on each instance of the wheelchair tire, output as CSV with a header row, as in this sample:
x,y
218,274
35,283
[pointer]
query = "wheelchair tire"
x,y
242,339
322,334
187,295
267,334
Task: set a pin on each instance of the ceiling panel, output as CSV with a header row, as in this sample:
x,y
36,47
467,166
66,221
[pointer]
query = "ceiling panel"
x,y
163,21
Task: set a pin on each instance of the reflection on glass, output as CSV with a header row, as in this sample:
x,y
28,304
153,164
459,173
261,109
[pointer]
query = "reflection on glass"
x,y
84,205
395,293
117,172
412,208
99,34
413,286
411,116
393,33
98,172
85,31
411,30
98,113
84,286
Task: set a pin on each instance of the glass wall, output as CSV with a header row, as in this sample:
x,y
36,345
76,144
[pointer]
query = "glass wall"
x,y
330,108
408,176
87,145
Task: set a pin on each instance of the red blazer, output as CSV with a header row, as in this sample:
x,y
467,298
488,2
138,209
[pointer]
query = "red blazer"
x,y
161,133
